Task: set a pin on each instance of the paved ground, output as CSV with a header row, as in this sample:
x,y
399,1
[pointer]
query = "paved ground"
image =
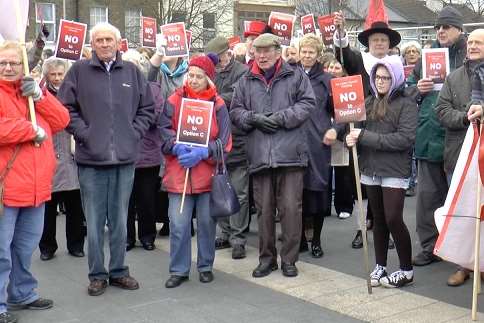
x,y
331,289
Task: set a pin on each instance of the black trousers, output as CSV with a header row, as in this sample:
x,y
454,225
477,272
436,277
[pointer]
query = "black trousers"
x,y
344,189
281,189
144,205
70,202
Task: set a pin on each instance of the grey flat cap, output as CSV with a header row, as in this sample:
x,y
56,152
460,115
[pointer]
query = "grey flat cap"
x,y
267,40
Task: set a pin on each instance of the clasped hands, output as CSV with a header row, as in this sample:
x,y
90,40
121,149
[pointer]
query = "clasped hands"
x,y
189,156
266,122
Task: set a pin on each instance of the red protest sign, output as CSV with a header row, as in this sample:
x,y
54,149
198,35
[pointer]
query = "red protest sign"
x,y
234,41
176,39
71,40
307,24
194,122
435,64
327,28
189,38
348,98
282,25
407,70
148,32
123,45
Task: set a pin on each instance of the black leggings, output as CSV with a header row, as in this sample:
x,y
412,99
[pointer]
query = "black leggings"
x,y
387,206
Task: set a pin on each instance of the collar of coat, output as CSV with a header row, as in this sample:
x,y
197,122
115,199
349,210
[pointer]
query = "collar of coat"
x,y
282,69
95,61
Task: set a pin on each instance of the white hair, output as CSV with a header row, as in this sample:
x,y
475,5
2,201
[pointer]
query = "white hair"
x,y
409,44
105,26
53,62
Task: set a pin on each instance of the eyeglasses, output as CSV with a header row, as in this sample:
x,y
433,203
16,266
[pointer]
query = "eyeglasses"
x,y
445,27
12,64
383,78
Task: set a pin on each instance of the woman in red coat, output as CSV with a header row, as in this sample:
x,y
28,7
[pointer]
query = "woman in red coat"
x,y
27,163
201,163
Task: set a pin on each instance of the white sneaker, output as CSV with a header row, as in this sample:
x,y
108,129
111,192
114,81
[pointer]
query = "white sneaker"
x,y
344,215
397,279
377,274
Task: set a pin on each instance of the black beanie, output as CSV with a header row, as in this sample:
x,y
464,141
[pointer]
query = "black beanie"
x,y
450,16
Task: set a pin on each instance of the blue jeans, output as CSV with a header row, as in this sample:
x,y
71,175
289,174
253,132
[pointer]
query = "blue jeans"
x,y
105,195
20,232
180,233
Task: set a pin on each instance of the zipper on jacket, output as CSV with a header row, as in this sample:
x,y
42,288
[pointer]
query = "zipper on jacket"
x,y
111,129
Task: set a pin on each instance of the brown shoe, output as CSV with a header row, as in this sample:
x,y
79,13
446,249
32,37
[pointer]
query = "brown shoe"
x,y
126,282
458,278
97,287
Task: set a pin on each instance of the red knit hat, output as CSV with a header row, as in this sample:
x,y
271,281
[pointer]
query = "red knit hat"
x,y
205,63
254,28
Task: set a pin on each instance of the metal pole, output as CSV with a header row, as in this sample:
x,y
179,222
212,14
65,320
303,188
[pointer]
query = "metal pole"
x,y
64,9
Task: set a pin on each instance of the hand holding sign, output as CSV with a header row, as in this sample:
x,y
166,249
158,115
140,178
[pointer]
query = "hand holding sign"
x,y
352,137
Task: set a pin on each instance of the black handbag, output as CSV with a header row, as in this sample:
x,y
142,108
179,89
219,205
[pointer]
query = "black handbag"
x,y
223,200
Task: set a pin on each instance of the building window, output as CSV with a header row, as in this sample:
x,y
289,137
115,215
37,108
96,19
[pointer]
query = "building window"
x,y
132,25
209,20
178,16
208,35
97,15
45,13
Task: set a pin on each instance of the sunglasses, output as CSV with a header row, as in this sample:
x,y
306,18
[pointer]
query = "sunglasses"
x,y
445,27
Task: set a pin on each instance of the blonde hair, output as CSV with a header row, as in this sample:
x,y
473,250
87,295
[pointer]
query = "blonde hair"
x,y
311,40
11,45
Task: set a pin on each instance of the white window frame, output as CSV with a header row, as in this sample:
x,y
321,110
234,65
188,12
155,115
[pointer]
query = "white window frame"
x,y
39,20
91,24
137,25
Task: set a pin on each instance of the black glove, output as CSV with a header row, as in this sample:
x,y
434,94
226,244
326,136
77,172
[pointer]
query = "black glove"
x,y
45,31
264,123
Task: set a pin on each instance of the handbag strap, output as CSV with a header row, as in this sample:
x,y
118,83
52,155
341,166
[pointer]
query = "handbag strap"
x,y
5,171
220,157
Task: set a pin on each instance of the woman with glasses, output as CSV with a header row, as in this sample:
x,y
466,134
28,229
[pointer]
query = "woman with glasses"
x,y
386,141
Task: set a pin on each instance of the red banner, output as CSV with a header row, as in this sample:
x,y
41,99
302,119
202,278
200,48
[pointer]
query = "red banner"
x,y
435,64
327,28
307,24
70,40
189,38
176,39
348,98
123,45
194,122
282,25
234,41
148,32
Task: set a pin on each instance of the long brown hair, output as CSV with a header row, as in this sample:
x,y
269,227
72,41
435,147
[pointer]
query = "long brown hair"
x,y
379,108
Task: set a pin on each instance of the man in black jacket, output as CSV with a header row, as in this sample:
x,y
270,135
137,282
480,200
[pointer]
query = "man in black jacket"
x,y
271,103
111,107
228,73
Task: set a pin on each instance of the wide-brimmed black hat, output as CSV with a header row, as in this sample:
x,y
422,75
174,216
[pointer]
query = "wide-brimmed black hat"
x,y
382,28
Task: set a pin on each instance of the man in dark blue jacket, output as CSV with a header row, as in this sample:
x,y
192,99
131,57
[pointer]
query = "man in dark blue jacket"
x,y
271,102
111,107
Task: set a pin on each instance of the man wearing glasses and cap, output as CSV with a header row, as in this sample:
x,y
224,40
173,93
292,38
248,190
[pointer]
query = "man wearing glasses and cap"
x,y
433,177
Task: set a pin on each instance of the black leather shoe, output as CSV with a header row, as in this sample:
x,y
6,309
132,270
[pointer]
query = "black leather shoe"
x,y
289,270
206,276
303,246
316,250
175,281
238,252
264,269
424,259
148,246
77,253
129,246
357,242
46,256
221,243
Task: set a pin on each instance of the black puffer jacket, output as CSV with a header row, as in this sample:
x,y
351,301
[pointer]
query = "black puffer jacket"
x,y
290,97
386,145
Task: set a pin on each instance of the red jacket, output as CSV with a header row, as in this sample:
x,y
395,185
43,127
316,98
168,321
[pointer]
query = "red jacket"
x,y
200,176
29,181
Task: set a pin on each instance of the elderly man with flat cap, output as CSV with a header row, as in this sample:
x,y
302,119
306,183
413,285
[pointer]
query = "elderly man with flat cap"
x,y
271,103
434,173
228,73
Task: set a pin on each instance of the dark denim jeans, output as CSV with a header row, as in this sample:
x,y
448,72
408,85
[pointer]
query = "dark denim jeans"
x,y
105,195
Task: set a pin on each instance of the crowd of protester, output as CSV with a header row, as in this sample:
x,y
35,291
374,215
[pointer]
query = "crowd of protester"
x,y
103,151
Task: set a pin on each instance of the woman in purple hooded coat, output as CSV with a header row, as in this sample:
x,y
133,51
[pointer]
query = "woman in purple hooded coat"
x,y
385,140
